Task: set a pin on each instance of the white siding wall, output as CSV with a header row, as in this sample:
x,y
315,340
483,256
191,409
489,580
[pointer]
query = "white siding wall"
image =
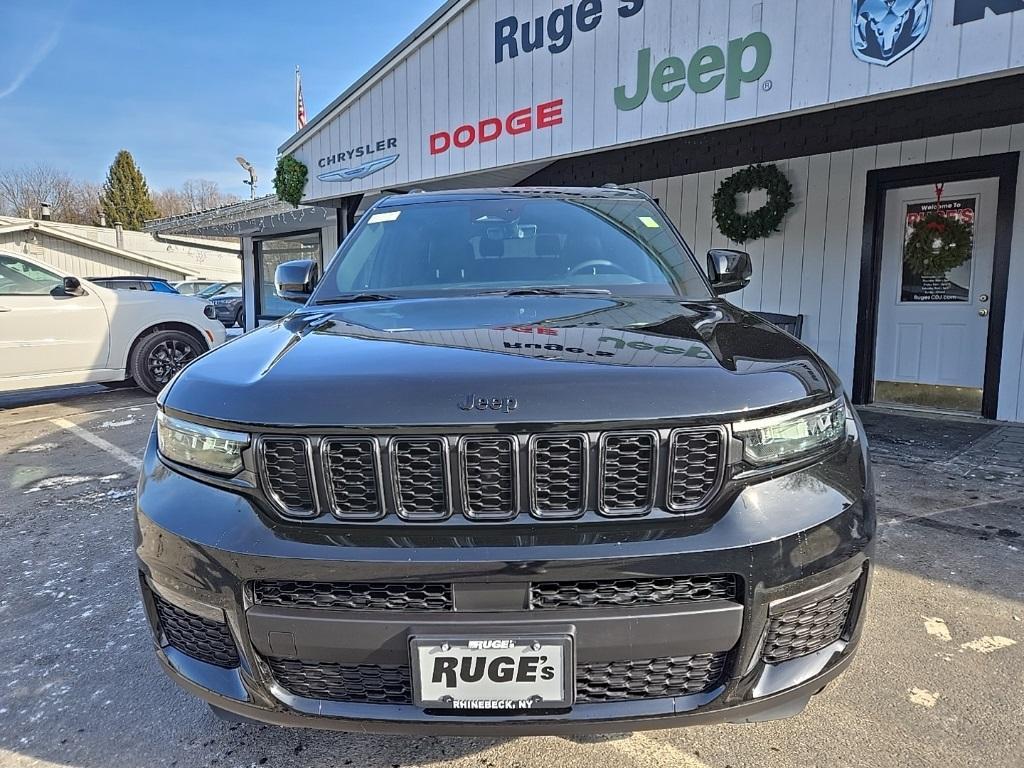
x,y
194,259
448,77
812,266
78,260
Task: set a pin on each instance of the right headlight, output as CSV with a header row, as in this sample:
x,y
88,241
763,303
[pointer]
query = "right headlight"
x,y
201,447
791,436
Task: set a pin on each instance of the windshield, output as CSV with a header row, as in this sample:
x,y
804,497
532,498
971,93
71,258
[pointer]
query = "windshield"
x,y
624,246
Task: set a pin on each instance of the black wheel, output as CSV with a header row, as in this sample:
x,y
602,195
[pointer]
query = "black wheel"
x,y
161,355
240,318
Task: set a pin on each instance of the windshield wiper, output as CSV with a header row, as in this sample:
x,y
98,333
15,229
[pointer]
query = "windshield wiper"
x,y
548,291
355,298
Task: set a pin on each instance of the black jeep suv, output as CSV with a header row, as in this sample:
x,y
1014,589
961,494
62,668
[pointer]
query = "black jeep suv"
x,y
513,468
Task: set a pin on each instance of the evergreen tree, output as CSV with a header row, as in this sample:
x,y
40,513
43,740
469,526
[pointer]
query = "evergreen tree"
x,y
126,196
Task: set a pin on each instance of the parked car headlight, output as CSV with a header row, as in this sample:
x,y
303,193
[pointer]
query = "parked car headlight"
x,y
210,311
783,438
212,450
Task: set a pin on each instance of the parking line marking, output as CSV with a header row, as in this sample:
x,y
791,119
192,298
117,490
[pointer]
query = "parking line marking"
x,y
37,419
118,453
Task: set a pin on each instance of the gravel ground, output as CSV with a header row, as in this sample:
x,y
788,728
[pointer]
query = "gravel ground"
x,y
939,679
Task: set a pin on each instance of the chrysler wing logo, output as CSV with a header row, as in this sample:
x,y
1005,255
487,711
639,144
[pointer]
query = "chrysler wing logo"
x,y
360,171
885,31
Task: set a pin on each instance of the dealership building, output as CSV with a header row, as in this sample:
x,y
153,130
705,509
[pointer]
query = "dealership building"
x,y
878,114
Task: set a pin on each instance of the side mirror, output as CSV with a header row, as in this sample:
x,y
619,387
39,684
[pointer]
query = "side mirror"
x,y
295,280
729,270
73,287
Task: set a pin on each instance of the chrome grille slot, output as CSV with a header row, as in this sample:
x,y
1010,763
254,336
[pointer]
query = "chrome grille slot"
x,y
558,475
695,467
629,464
420,470
489,477
352,473
287,474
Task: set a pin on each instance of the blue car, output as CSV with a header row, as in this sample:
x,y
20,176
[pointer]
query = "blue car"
x,y
134,283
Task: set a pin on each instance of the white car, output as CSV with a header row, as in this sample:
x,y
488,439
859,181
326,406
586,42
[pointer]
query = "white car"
x,y
56,329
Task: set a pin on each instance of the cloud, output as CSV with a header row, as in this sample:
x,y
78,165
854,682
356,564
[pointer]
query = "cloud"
x,y
33,61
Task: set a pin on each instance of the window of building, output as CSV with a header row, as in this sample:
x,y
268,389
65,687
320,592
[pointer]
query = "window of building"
x,y
268,254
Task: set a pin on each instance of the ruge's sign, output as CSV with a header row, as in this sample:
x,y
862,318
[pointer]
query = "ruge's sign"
x,y
494,84
513,37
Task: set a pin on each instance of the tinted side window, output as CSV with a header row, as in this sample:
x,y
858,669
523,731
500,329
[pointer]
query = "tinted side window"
x,y
18,277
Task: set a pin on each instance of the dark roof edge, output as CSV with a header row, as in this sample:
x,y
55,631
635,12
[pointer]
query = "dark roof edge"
x,y
393,54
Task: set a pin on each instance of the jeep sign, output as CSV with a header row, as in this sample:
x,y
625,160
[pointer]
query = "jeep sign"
x,y
745,61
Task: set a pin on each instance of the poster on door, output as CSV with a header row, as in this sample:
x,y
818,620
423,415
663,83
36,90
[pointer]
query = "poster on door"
x,y
953,286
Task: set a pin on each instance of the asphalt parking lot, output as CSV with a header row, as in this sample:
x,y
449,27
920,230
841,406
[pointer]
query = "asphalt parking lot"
x,y
939,680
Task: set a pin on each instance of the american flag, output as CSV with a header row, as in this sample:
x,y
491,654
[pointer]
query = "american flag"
x,y
300,105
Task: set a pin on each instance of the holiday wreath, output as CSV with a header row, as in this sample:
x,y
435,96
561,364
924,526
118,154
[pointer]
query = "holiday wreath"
x,y
290,179
741,227
937,244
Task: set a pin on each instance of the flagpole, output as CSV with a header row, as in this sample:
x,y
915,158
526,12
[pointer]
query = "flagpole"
x,y
298,125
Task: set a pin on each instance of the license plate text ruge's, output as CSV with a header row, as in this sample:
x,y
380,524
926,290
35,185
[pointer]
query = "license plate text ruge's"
x,y
448,670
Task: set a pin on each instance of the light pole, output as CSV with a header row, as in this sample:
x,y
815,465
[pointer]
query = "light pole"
x,y
251,181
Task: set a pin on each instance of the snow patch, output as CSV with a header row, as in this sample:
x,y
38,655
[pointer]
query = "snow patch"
x,y
39,448
58,482
936,627
923,698
988,644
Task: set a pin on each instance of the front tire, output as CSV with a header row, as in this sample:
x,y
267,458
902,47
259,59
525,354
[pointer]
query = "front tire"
x,y
157,357
240,318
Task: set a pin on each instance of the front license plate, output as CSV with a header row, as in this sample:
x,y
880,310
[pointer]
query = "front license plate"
x,y
493,673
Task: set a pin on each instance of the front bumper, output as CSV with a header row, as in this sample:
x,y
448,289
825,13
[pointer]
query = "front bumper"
x,y
790,541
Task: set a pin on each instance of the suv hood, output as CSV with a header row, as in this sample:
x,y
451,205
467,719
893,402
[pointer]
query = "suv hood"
x,y
560,359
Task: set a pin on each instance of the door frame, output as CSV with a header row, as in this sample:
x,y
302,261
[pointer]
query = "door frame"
x,y
1003,167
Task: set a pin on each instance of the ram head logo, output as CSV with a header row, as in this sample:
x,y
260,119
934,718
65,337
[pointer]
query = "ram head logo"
x,y
885,31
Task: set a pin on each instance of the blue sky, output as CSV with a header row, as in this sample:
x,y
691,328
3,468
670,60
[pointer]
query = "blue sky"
x,y
184,85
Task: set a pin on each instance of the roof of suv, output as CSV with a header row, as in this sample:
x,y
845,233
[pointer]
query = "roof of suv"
x,y
561,193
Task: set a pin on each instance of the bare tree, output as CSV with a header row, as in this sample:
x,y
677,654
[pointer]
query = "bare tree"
x,y
194,195
24,189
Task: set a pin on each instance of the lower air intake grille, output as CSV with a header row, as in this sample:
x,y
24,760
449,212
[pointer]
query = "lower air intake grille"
x,y
287,475
358,683
807,628
629,592
613,681
354,597
195,636
649,678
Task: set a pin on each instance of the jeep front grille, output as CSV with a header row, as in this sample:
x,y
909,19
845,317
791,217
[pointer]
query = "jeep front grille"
x,y
629,467
420,468
493,478
558,475
489,477
288,475
694,468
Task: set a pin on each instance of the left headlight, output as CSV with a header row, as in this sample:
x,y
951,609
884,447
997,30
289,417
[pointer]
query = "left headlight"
x,y
793,435
210,311
205,448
